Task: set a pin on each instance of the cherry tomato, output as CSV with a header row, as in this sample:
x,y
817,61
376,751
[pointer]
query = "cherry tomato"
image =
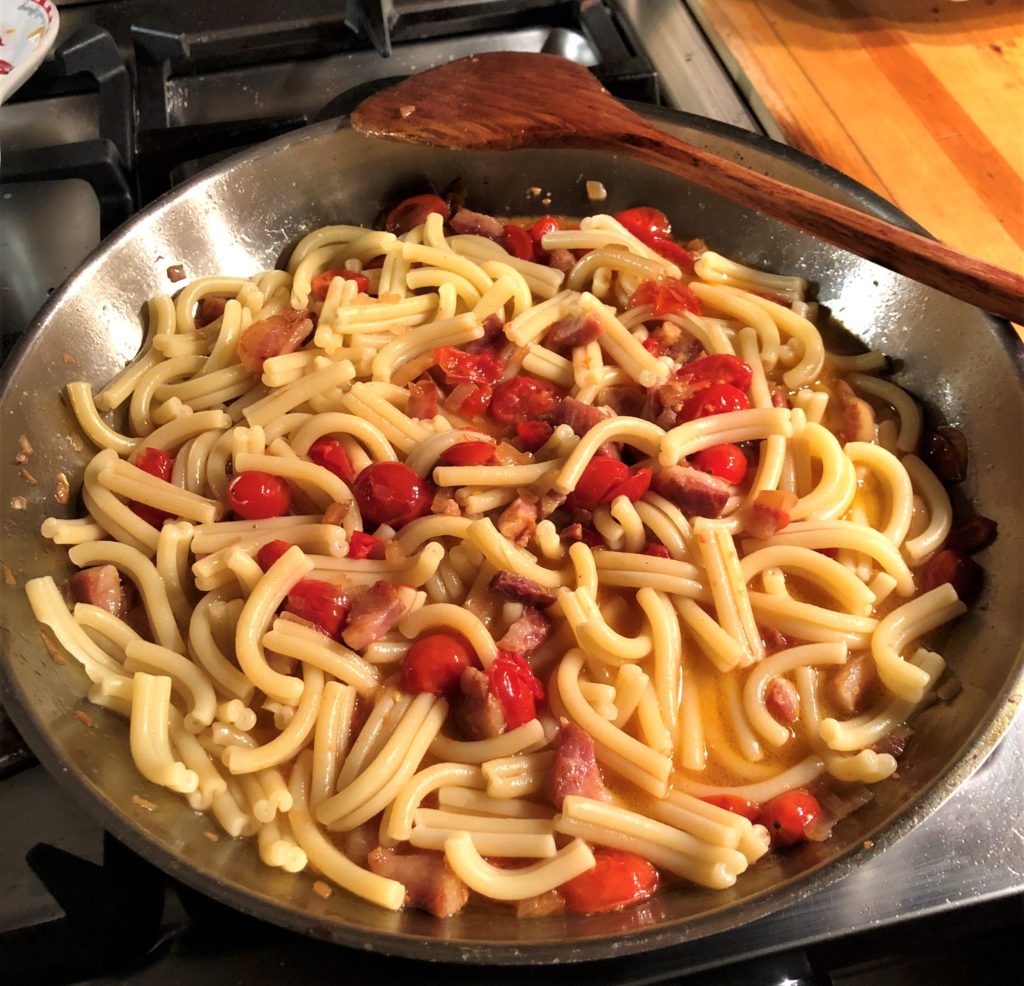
x,y
719,398
956,568
151,515
725,461
787,816
533,434
738,806
666,296
671,250
513,682
654,346
471,400
258,495
541,228
412,212
330,453
523,398
362,545
617,879
391,493
322,282
657,551
633,487
468,454
323,604
645,223
461,367
519,243
601,475
435,662
270,552
720,368
156,462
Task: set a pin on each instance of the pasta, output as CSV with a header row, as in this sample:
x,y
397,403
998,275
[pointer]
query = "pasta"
x,y
459,561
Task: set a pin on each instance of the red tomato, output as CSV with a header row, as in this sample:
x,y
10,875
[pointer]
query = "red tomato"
x,y
322,282
633,487
270,552
391,493
362,545
719,398
671,250
412,212
458,366
258,495
654,346
645,223
665,295
738,806
720,368
435,662
725,461
541,228
601,475
323,604
787,816
658,551
151,515
533,434
330,453
617,879
523,398
471,400
468,454
512,680
156,462
519,243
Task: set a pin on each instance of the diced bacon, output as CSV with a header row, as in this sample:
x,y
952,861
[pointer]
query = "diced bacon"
x,y
422,399
550,502
769,513
573,330
610,450
622,400
696,493
562,260
209,310
540,906
780,396
375,612
857,417
577,532
429,883
99,586
478,714
575,769
579,416
782,700
851,686
527,633
520,589
493,338
774,639
273,336
477,224
895,743
518,521
445,504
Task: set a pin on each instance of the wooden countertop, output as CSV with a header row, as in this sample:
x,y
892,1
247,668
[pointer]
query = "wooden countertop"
x,y
920,100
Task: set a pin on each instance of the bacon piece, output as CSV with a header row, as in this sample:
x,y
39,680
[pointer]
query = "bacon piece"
x,y
782,700
972,535
422,399
895,743
696,493
572,330
857,417
445,504
209,310
945,450
577,532
478,714
850,687
375,612
575,769
550,502
610,450
518,521
773,639
769,513
520,589
622,400
99,586
492,339
780,396
562,260
477,224
579,416
540,906
527,633
429,883
273,336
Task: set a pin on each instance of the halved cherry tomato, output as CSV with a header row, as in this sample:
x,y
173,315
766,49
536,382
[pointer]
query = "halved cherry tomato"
x,y
737,805
633,487
617,879
726,461
468,454
156,462
541,228
270,552
645,223
519,243
522,398
666,296
462,367
331,454
720,368
362,545
601,475
719,398
654,346
412,212
391,493
671,250
435,662
257,495
513,682
323,604
533,434
787,816
322,282
657,551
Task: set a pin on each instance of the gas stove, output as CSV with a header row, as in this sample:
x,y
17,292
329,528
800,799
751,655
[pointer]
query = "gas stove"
x,y
142,94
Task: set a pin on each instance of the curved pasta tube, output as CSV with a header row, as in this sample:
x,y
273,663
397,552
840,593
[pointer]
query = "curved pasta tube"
x,y
89,420
906,407
826,573
940,511
187,679
838,485
454,618
398,819
899,489
149,738
730,428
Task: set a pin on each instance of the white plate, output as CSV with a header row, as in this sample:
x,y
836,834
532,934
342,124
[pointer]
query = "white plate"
x,y
28,29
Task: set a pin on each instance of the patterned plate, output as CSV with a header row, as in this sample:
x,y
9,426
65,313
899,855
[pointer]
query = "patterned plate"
x,y
28,29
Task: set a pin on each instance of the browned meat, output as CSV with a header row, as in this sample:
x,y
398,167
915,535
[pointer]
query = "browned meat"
x,y
493,337
850,687
518,521
696,493
782,700
857,417
422,399
623,400
550,502
273,336
540,906
895,743
477,224
444,503
573,330
375,612
575,770
562,260
209,310
972,535
99,586
520,589
579,416
176,272
780,396
946,452
956,568
577,532
477,713
429,883
769,513
774,639
527,633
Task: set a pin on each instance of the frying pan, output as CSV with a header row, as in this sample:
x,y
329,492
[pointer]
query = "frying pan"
x,y
243,216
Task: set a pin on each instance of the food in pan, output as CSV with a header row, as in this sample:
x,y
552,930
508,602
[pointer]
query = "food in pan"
x,y
543,561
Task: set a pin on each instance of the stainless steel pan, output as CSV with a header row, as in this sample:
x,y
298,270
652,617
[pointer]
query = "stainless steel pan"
x,y
241,217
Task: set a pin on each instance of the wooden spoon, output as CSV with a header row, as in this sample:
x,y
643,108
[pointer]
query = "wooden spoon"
x,y
508,100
